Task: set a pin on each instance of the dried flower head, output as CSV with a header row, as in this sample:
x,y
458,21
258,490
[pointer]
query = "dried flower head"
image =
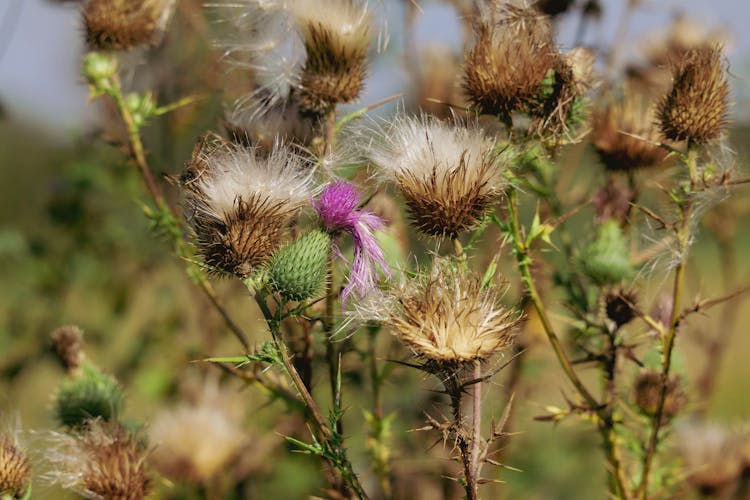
x,y
437,82
338,208
238,202
513,53
449,175
619,306
336,36
612,201
711,459
15,468
262,124
448,319
102,461
632,113
125,24
696,108
67,342
195,443
647,391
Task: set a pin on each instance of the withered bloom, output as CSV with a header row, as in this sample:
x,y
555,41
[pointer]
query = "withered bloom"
x,y
67,342
125,24
513,52
238,202
696,109
336,35
711,459
449,320
15,468
648,388
630,114
103,461
449,175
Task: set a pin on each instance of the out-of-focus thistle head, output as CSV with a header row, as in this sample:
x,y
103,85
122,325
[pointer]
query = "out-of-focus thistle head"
x,y
339,211
559,108
87,395
101,461
696,109
448,175
437,81
263,124
125,24
67,341
15,467
238,202
606,258
711,458
336,35
647,391
512,54
631,113
199,441
449,320
620,306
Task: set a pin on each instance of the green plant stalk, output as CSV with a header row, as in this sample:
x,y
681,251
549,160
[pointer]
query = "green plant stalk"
x,y
683,236
382,466
522,257
344,466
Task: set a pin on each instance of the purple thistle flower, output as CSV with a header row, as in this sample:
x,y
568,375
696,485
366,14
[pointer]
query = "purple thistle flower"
x,y
338,211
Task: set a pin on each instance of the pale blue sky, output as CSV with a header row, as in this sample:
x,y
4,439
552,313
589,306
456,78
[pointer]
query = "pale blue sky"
x,y
39,79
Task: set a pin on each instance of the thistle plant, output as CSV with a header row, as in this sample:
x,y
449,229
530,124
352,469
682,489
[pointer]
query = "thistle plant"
x,y
369,248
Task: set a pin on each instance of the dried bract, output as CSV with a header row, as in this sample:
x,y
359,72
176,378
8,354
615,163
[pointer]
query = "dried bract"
x,y
102,461
513,52
15,468
449,175
648,389
448,319
614,126
68,344
238,202
125,24
696,109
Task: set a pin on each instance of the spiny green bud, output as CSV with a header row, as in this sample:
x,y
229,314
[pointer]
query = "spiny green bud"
x,y
91,394
98,68
298,271
606,259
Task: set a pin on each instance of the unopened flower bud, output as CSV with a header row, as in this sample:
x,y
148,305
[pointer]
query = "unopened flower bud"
x,y
606,259
99,68
88,395
298,271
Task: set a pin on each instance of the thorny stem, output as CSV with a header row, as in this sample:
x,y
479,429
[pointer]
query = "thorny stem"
x,y
522,256
683,236
453,387
342,466
382,465
476,439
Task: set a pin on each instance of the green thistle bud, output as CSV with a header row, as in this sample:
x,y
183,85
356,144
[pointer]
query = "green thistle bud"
x,y
99,68
606,259
298,271
92,394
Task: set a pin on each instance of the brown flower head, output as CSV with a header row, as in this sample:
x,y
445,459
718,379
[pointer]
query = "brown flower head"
x,y
696,109
449,175
711,459
336,35
619,307
68,344
238,202
448,319
629,114
102,461
647,391
15,468
125,24
512,55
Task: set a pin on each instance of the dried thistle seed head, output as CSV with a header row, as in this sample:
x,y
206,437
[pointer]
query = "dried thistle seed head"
x,y
448,319
619,307
15,468
632,113
196,442
101,461
449,175
336,36
697,107
647,391
68,344
125,24
512,54
553,7
238,202
88,395
711,458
